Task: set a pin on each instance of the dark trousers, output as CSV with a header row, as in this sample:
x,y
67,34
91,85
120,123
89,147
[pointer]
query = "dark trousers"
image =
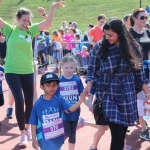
x,y
70,130
19,83
118,133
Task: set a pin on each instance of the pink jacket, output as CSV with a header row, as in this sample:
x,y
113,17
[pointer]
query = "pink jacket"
x,y
84,54
68,38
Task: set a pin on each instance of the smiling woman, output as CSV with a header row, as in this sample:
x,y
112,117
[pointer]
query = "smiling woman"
x,y
19,63
142,36
118,50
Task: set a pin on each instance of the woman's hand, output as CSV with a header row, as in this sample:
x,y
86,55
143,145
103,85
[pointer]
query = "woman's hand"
x,y
87,89
41,10
57,4
0,1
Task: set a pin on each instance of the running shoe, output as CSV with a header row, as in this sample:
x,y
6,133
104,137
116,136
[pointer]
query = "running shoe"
x,y
81,123
9,113
145,135
127,147
28,134
93,148
23,140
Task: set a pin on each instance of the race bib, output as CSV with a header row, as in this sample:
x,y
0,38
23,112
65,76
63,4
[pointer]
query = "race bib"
x,y
53,129
69,90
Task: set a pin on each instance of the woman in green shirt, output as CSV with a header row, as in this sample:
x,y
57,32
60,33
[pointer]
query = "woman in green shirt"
x,y
19,63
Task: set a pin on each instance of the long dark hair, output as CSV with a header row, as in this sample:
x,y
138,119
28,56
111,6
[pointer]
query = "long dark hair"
x,y
129,49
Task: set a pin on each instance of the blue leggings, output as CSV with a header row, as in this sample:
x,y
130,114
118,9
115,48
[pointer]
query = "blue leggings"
x,y
19,83
70,130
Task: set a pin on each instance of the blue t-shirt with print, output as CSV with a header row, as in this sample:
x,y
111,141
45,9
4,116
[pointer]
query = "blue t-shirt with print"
x,y
70,89
47,39
46,116
1,69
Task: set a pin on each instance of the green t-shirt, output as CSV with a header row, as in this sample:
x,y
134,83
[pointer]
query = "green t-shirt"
x,y
19,54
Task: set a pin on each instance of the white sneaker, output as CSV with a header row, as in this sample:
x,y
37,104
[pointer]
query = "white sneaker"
x,y
23,140
28,134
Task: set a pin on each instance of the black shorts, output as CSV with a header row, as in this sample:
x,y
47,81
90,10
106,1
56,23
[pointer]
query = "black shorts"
x,y
40,53
102,121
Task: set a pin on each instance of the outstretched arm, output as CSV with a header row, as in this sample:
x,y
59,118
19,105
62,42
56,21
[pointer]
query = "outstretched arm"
x,y
48,21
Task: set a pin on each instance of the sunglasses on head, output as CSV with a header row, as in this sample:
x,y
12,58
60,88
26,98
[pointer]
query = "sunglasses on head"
x,y
143,17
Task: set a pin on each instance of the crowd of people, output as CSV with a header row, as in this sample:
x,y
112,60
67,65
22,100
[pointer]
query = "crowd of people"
x,y
115,53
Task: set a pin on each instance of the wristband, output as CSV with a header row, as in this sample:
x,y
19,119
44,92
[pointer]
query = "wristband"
x,y
44,14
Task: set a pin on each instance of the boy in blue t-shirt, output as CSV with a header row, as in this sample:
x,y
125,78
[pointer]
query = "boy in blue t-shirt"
x,y
46,122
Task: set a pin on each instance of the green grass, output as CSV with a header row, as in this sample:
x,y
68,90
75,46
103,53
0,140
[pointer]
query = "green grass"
x,y
81,11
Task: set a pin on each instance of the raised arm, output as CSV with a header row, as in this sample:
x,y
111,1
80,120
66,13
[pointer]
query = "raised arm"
x,y
48,21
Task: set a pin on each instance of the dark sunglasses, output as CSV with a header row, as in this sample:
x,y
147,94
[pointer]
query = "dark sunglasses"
x,y
143,17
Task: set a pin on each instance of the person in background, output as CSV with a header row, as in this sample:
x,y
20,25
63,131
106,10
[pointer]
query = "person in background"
x,y
56,52
68,38
47,47
86,34
84,56
69,24
147,9
142,36
61,33
40,47
76,51
74,25
64,26
147,25
86,37
96,33
126,21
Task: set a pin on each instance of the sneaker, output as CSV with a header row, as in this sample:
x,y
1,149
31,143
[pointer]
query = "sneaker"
x,y
93,148
127,147
9,113
81,123
28,134
23,140
145,135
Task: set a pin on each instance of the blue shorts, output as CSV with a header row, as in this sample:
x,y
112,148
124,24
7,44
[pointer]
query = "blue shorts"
x,y
46,50
56,55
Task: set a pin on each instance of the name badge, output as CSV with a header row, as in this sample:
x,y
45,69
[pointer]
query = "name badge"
x,y
21,36
53,129
28,39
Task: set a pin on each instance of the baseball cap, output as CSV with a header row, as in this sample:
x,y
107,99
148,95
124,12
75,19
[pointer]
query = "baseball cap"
x,y
49,76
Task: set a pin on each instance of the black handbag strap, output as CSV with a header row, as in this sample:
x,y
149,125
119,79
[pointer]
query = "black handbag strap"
x,y
106,88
